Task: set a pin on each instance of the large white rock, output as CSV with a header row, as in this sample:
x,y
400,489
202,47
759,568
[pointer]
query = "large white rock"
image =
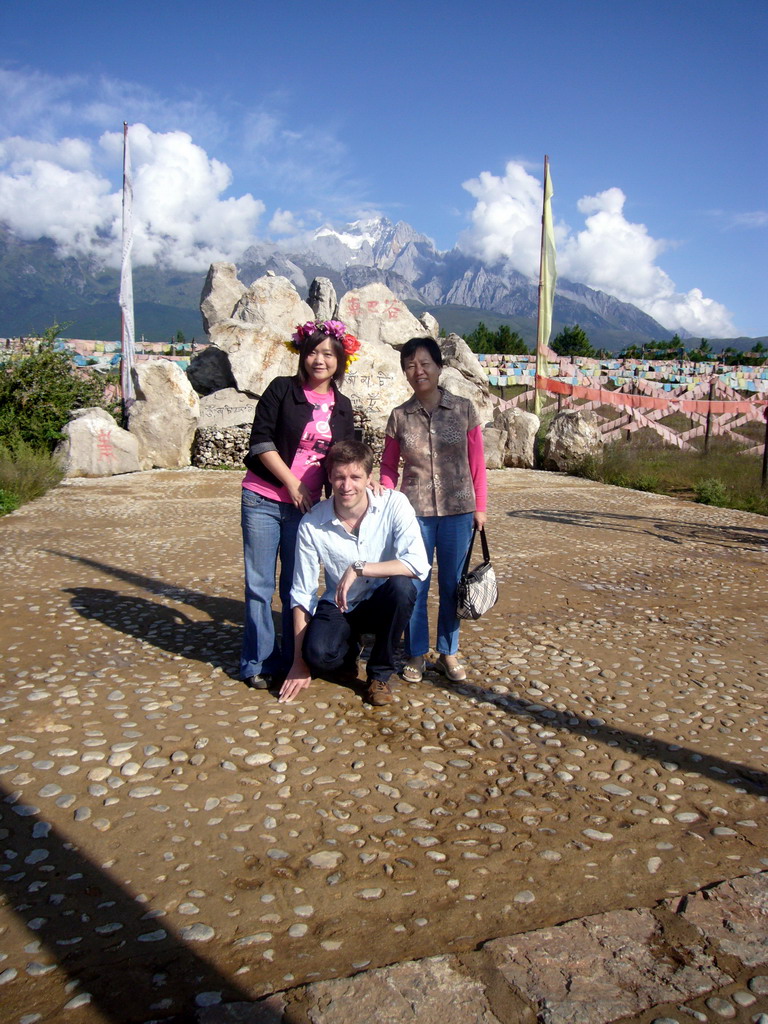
x,y
494,443
374,313
255,337
519,429
226,408
221,293
456,352
94,445
455,382
430,325
572,437
164,416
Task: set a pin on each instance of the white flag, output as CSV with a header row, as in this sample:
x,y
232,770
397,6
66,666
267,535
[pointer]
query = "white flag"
x,y
126,278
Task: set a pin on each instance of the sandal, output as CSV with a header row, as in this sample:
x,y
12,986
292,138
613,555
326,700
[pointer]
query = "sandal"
x,y
413,670
451,670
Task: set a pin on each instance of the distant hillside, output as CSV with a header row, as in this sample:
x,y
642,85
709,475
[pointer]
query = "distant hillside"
x,y
37,289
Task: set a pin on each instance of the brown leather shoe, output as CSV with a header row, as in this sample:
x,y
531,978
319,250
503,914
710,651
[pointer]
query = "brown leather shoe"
x,y
379,692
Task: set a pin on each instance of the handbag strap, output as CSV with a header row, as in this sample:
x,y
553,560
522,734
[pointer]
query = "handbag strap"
x,y
483,541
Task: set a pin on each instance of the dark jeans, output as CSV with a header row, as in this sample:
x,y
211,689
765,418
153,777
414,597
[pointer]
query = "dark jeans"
x,y
332,635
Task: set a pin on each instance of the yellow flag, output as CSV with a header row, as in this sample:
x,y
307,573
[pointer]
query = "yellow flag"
x,y
547,278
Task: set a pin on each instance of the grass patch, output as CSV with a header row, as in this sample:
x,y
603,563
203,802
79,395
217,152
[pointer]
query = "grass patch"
x,y
722,477
26,473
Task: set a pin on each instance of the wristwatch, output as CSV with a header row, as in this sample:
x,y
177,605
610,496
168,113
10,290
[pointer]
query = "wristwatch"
x,y
358,566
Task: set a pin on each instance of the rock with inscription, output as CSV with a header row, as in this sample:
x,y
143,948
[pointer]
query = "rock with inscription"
x,y
375,384
226,408
519,429
221,293
322,299
94,445
374,313
572,437
164,416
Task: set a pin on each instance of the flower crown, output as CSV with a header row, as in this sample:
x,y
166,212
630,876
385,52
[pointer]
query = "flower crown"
x,y
334,329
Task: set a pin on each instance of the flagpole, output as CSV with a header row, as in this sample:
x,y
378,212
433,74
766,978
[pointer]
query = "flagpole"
x,y
547,277
126,282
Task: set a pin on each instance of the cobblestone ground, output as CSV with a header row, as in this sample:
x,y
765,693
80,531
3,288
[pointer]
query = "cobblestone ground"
x,y
174,845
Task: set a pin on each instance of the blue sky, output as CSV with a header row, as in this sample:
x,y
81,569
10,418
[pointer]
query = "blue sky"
x,y
257,120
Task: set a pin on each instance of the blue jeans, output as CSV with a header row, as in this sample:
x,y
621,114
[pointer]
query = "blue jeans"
x,y
450,535
268,527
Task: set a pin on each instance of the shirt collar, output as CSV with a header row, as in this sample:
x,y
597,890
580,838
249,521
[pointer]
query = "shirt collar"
x,y
413,405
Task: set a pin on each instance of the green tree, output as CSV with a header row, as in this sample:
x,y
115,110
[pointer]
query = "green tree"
x,y
572,341
39,390
479,338
509,342
180,339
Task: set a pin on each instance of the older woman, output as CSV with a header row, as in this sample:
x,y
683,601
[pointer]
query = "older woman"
x,y
439,438
296,421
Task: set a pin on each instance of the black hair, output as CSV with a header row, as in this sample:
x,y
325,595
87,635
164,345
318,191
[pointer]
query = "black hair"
x,y
413,344
344,453
310,344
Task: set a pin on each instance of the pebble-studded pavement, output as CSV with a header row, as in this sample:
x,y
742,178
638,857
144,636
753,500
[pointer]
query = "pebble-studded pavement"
x,y
172,843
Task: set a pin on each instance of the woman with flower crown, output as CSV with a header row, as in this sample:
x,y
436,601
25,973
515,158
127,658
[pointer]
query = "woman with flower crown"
x,y
296,421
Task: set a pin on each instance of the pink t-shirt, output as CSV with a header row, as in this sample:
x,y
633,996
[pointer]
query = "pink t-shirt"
x,y
307,463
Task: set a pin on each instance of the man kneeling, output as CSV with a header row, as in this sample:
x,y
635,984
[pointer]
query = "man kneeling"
x,y
371,549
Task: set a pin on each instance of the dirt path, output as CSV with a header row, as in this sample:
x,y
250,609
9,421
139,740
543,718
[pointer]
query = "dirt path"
x,y
168,834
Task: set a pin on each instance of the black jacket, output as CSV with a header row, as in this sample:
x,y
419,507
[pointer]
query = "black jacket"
x,y
281,416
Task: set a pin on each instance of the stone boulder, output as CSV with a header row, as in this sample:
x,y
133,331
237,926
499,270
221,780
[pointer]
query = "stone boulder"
x,y
221,293
457,353
374,313
519,429
322,299
430,325
494,443
209,371
572,437
254,337
225,408
453,380
164,416
94,445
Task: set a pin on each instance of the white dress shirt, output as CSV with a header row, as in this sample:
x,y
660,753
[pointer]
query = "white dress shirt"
x,y
388,530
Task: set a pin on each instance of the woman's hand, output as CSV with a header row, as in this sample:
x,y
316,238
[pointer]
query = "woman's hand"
x,y
480,518
300,496
378,488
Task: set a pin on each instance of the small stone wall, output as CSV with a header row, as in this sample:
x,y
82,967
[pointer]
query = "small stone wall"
x,y
220,446
228,446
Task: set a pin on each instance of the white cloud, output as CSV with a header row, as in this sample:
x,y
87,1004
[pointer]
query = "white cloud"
x,y
610,253
180,219
284,222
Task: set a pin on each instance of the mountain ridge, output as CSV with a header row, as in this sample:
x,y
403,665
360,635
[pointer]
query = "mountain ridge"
x,y
37,287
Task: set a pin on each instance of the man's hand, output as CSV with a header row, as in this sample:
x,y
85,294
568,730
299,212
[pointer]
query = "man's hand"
x,y
342,589
298,679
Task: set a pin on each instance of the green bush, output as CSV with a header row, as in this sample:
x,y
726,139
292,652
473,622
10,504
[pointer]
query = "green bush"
x,y
711,492
26,473
8,502
38,392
